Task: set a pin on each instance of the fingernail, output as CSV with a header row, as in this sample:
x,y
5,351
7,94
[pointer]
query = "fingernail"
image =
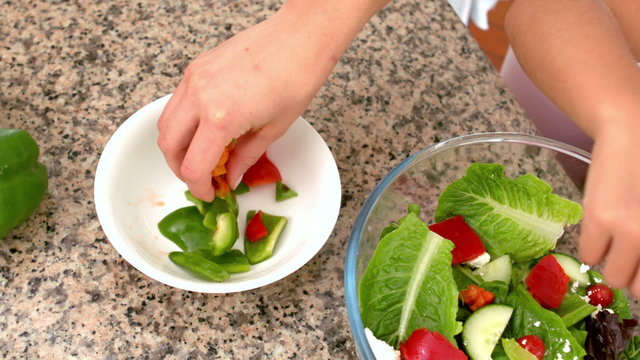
x,y
235,183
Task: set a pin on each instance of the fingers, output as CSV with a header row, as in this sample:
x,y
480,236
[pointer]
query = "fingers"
x,y
622,263
177,126
248,149
594,241
204,152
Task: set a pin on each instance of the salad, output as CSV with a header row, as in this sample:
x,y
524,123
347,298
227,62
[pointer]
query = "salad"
x,y
484,281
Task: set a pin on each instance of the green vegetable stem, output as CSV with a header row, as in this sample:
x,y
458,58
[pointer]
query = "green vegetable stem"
x,y
23,180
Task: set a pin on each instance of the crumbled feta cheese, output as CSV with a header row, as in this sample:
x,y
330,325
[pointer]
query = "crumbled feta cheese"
x,y
598,309
574,287
381,349
584,268
536,324
480,261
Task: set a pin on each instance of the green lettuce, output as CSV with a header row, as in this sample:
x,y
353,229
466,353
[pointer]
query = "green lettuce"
x,y
529,318
520,217
408,284
574,309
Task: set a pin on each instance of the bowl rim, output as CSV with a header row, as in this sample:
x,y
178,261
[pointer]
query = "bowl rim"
x,y
353,309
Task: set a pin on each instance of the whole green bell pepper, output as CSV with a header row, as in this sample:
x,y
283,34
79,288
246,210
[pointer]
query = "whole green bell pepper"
x,y
23,180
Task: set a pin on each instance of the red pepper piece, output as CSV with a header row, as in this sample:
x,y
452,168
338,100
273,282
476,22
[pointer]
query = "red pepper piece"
x,y
262,172
476,297
548,282
468,245
423,344
256,230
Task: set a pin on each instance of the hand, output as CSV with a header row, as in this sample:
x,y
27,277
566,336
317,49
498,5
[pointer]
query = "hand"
x,y
250,88
611,224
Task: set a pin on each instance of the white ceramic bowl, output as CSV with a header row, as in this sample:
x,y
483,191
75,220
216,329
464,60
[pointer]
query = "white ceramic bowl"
x,y
134,189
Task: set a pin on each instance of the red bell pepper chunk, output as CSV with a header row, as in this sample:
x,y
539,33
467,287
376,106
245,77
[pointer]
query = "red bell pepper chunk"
x,y
476,297
262,172
423,344
256,230
468,245
548,282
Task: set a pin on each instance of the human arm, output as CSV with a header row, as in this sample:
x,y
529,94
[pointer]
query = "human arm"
x,y
253,86
577,52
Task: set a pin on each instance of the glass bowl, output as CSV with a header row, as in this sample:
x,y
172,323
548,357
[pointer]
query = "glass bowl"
x,y
424,175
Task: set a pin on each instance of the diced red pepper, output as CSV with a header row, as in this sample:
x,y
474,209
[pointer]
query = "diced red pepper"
x,y
256,230
423,344
476,297
262,172
468,245
548,282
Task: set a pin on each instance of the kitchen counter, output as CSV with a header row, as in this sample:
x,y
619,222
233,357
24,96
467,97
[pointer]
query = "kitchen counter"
x,y
72,71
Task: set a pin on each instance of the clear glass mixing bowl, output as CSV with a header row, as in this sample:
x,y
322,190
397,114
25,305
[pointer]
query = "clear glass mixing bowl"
x,y
423,176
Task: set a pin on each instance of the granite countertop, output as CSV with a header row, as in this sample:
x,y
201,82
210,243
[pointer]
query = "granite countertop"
x,y
72,71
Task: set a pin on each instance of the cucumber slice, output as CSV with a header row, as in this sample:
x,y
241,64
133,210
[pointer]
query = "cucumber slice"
x,y
576,270
483,329
498,269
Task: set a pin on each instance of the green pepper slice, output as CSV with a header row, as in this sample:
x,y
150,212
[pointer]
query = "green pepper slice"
x,y
261,250
199,265
185,228
284,192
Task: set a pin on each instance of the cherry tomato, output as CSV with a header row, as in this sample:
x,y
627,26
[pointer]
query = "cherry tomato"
x,y
534,345
600,294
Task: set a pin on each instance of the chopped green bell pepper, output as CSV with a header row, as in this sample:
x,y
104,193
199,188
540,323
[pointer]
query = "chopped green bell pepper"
x,y
284,192
261,250
23,180
199,265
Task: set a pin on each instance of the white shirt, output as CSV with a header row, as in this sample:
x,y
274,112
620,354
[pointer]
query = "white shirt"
x,y
474,10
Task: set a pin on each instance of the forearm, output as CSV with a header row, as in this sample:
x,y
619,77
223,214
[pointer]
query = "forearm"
x,y
327,27
576,53
627,12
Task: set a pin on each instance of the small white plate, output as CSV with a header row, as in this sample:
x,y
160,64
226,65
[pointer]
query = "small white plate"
x,y
134,189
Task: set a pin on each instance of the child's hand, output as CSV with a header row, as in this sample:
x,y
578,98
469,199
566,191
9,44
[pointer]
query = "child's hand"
x,y
611,225
250,88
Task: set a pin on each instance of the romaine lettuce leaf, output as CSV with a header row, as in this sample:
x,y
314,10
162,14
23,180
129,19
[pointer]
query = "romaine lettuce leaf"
x,y
529,318
520,217
408,284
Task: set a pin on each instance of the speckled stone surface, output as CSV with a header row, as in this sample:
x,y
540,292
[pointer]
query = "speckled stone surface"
x,y
72,71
